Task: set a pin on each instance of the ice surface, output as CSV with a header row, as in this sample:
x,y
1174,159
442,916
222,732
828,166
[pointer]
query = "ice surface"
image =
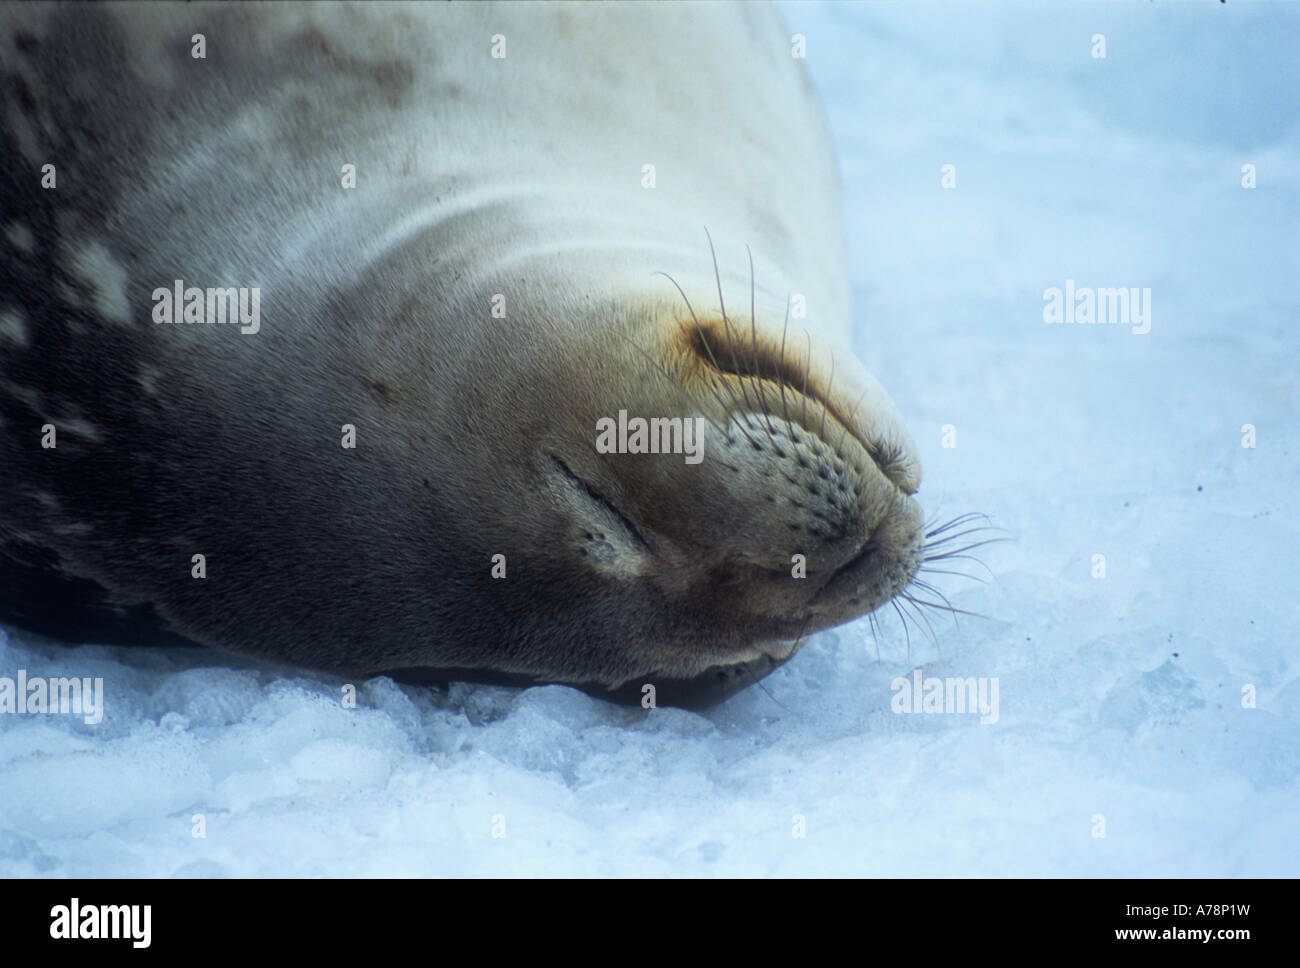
x,y
1119,697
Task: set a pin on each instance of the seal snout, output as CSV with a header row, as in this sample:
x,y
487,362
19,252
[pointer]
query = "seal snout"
x,y
817,508
808,518
787,377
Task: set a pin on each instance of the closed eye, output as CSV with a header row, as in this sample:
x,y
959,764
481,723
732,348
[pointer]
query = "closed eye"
x,y
604,509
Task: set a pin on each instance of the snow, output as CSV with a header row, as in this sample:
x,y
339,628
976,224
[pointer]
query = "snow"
x,y
1120,698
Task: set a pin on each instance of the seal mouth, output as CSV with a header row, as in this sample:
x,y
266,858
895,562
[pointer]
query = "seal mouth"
x,y
849,568
873,573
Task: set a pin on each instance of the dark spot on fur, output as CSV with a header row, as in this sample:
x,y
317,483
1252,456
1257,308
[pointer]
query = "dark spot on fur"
x,y
394,78
380,390
26,102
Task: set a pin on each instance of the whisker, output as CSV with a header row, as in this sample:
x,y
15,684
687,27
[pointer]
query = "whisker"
x,y
952,611
955,522
925,586
961,534
844,431
906,633
960,552
925,570
950,556
933,638
807,365
822,432
712,359
753,348
802,629
769,695
677,383
726,323
942,608
781,383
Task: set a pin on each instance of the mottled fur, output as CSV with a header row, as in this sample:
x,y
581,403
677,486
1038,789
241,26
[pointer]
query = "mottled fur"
x,y
475,176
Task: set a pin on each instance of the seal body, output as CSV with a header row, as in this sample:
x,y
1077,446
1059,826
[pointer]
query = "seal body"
x,y
466,237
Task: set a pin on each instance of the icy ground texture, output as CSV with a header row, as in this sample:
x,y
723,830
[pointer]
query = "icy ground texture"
x,y
1119,697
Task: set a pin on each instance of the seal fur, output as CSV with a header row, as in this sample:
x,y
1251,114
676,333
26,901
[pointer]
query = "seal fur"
x,y
481,181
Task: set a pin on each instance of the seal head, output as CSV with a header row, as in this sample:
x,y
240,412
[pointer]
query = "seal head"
x,y
406,464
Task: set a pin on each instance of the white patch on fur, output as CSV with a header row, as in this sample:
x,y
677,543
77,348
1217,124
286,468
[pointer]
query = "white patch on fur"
x,y
28,140
94,266
26,394
13,327
148,379
46,500
77,426
20,237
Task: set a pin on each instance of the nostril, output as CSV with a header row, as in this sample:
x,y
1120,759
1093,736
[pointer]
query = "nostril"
x,y
712,342
897,462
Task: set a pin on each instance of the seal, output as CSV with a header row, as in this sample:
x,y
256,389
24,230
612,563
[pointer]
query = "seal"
x,y
507,342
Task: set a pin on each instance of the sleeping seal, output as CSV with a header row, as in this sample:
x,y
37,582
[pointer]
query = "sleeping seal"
x,y
500,341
